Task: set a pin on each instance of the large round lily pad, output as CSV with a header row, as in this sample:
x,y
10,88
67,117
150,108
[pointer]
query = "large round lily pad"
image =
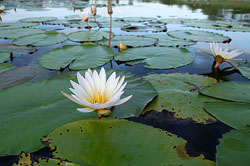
x,y
83,56
234,149
5,67
17,50
201,36
232,91
19,32
132,41
157,57
42,39
90,36
38,19
32,110
244,70
234,114
178,93
4,56
16,25
111,142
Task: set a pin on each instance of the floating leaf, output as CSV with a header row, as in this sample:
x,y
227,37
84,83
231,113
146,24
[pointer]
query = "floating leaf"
x,y
137,19
157,57
73,17
232,91
5,67
17,50
201,36
244,70
234,149
24,159
236,115
108,141
172,20
144,28
43,39
19,32
32,110
88,55
178,93
38,19
89,36
132,41
167,41
4,56
16,25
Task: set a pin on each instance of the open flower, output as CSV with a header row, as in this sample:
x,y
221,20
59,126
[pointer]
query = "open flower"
x,y
85,17
2,8
222,55
95,93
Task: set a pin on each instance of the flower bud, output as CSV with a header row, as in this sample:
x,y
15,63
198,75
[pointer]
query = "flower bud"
x,y
110,11
122,46
93,10
84,16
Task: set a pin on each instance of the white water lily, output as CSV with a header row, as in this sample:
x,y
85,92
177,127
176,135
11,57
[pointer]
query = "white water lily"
x,y
222,55
96,93
2,8
85,17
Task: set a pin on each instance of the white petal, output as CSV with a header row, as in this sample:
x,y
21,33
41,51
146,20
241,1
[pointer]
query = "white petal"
x,y
96,80
123,100
85,110
102,76
90,80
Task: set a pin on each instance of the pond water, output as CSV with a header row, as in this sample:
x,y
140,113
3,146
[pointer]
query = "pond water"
x,y
202,139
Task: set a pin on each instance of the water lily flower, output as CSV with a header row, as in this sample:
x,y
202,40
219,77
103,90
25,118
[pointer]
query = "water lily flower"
x,y
122,46
85,17
222,55
93,10
96,93
2,8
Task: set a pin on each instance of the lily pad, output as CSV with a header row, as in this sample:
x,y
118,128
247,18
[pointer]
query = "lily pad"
x,y
132,41
16,25
178,93
17,50
234,149
137,19
89,36
38,19
244,70
42,39
84,56
167,41
144,28
4,56
157,57
73,17
5,67
236,115
201,36
19,32
172,20
32,110
232,91
107,141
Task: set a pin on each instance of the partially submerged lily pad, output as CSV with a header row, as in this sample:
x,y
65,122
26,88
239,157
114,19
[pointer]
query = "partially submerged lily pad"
x,y
132,41
16,25
201,36
144,28
4,56
38,19
17,50
102,144
244,70
137,19
234,114
234,149
178,93
88,36
5,67
39,108
84,56
19,32
157,57
42,39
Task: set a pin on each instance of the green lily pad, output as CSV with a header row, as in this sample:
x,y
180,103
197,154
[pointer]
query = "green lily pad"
x,y
89,36
23,159
17,50
244,70
234,149
38,19
144,28
167,41
157,57
106,24
107,141
16,25
5,67
178,93
73,17
32,110
42,39
137,19
88,55
172,20
232,91
4,56
19,32
236,115
132,41
201,36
